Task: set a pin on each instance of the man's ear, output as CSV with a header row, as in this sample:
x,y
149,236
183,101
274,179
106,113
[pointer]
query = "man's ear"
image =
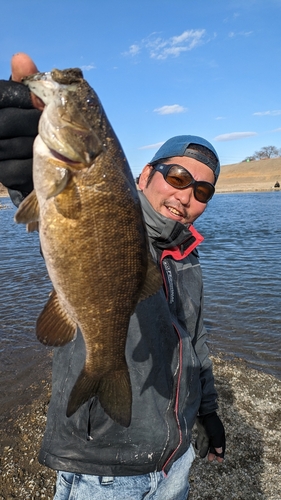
x,y
144,176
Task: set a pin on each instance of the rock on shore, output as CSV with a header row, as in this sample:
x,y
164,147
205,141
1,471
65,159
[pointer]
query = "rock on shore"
x,y
250,407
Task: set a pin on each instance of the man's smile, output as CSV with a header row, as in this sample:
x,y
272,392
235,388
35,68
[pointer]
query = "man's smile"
x,y
175,211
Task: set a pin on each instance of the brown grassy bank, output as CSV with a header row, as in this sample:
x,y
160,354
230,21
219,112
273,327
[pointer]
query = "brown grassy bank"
x,y
3,191
259,175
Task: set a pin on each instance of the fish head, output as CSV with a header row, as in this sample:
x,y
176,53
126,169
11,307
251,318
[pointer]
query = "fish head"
x,y
68,122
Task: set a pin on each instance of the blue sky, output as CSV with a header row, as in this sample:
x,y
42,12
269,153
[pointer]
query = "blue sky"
x,y
163,67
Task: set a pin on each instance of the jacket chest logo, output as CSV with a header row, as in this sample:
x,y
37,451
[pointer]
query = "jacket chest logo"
x,y
170,282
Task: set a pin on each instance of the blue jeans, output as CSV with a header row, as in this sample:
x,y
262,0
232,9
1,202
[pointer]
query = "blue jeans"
x,y
153,486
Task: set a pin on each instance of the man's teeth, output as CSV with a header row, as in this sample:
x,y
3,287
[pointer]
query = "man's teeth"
x,y
174,211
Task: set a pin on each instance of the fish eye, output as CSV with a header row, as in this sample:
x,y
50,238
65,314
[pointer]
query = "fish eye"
x,y
90,101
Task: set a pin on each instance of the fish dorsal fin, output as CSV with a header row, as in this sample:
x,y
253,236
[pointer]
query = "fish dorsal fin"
x,y
28,210
54,326
153,280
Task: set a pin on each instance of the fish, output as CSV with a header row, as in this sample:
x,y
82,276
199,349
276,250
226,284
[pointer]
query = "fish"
x,y
92,236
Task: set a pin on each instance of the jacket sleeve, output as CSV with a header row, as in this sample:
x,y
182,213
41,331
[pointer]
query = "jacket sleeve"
x,y
18,129
209,393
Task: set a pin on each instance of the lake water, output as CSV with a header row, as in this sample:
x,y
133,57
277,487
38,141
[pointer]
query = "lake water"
x,y
241,262
240,258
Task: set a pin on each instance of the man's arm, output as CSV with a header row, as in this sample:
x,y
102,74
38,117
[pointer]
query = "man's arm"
x,y
211,435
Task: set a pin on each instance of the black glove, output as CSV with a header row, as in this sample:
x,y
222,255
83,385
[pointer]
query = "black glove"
x,y
211,435
18,129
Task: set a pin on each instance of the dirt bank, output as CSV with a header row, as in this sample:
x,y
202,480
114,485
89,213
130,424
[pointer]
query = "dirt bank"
x,y
3,191
250,406
259,175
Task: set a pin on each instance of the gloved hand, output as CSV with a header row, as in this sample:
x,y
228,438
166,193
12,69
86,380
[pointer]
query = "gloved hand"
x,y
211,437
18,129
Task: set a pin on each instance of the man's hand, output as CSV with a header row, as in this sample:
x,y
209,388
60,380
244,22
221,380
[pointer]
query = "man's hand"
x,y
211,437
19,116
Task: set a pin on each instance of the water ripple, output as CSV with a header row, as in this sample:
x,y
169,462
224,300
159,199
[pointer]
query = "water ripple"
x,y
240,258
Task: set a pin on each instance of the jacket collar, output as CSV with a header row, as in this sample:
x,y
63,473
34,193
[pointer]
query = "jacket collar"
x,y
166,234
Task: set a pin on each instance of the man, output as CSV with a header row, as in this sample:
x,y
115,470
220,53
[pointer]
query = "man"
x,y
166,352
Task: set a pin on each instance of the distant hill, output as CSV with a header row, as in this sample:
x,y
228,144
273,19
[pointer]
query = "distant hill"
x,y
258,175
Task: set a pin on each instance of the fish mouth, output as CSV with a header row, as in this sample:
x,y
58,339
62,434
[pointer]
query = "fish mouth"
x,y
64,128
65,159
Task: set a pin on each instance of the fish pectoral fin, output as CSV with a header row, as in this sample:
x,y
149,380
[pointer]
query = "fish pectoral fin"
x,y
68,202
54,326
28,210
32,226
60,178
153,280
113,390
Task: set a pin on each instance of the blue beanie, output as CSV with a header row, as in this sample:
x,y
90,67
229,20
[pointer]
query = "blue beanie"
x,y
179,146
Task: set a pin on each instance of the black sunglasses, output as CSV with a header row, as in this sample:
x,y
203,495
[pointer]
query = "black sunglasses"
x,y
180,178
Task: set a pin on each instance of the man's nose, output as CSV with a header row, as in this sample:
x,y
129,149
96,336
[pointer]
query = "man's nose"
x,y
184,195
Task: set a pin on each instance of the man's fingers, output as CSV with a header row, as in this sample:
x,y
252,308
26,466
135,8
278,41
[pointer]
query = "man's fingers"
x,y
22,65
216,455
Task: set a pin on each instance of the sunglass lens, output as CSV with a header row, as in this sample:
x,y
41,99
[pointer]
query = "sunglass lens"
x,y
203,192
178,177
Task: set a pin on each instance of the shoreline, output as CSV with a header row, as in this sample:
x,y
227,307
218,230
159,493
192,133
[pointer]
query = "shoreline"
x,y
237,190
240,190
249,405
252,176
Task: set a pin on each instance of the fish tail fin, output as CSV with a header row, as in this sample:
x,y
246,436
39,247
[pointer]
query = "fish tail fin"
x,y
153,281
113,390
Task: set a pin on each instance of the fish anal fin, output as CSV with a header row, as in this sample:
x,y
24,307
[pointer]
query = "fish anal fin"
x,y
113,390
68,202
28,210
153,280
54,327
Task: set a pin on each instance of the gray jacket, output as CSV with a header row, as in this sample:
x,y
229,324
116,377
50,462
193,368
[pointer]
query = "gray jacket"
x,y
170,371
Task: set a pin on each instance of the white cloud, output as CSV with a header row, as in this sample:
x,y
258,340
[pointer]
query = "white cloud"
x,y
220,118
152,146
133,50
161,48
276,112
170,110
88,67
232,34
234,136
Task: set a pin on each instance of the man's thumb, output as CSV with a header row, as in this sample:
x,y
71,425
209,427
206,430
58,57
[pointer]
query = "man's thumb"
x,y
21,66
